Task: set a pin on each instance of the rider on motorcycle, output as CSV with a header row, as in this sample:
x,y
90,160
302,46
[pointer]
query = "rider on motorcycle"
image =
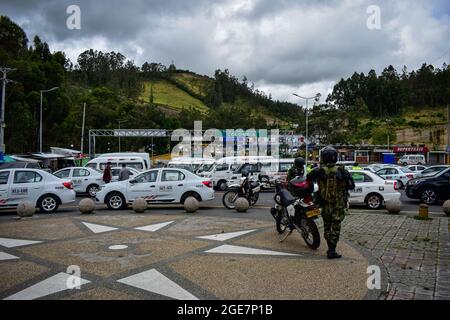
x,y
297,170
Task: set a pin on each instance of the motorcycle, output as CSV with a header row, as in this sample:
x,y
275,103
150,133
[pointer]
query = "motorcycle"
x,y
246,188
296,213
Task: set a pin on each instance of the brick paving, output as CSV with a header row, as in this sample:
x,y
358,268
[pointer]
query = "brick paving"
x,y
415,253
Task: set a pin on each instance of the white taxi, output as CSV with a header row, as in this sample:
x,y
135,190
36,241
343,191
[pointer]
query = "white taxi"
x,y
37,186
84,179
401,174
163,185
371,189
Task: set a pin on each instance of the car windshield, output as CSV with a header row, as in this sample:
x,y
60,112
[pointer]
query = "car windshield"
x,y
432,171
405,170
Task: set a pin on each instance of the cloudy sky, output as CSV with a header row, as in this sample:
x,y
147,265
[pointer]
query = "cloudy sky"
x,y
283,46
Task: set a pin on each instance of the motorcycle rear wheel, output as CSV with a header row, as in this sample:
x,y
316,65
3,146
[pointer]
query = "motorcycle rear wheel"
x,y
309,232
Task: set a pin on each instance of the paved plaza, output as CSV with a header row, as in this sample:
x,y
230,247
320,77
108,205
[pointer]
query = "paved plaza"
x,y
168,254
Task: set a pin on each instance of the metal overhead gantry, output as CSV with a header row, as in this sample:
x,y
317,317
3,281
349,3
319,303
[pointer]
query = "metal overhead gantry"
x,y
123,133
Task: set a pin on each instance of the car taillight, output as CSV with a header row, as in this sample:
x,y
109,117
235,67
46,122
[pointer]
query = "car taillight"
x,y
68,185
395,185
207,183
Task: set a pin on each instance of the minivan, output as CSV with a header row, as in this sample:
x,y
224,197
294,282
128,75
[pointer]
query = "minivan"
x,y
410,159
131,162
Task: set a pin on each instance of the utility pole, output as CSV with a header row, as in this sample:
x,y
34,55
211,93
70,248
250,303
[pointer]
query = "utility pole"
x,y
4,80
448,132
82,129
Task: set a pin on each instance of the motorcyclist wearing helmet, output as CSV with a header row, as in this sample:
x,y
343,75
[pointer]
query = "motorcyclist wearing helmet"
x,y
334,183
297,170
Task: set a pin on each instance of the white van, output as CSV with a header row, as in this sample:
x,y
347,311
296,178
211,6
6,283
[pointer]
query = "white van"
x,y
131,162
194,165
410,159
222,171
145,156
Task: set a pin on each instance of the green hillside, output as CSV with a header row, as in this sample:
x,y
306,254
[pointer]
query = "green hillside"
x,y
168,95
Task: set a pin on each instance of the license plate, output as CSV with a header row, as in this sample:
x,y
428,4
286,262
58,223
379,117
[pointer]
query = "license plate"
x,y
313,213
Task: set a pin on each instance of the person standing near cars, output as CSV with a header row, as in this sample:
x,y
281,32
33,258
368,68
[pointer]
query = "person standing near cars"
x,y
107,173
334,183
124,173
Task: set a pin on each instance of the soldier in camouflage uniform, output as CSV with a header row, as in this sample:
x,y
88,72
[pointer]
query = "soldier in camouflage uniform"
x,y
334,182
297,170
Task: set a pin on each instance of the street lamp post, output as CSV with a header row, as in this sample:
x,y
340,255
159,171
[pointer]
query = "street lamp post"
x,y
316,98
40,121
121,121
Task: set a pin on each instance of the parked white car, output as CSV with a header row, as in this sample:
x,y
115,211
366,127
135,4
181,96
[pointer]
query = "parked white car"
x,y
417,168
84,179
163,185
115,173
372,190
37,186
400,174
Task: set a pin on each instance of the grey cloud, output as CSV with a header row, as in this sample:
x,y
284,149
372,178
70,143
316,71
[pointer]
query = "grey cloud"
x,y
282,45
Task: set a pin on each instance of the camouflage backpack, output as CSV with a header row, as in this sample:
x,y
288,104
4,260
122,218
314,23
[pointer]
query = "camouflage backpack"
x,y
332,186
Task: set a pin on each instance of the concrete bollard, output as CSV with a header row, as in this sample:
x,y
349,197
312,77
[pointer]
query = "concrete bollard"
x,y
139,205
423,211
86,206
25,209
394,206
241,205
191,205
446,208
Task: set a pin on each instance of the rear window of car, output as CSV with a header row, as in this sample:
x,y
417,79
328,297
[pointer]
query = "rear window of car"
x,y
63,173
172,175
81,173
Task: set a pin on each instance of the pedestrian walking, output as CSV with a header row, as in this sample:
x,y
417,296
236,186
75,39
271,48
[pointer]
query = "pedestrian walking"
x,y
124,173
107,173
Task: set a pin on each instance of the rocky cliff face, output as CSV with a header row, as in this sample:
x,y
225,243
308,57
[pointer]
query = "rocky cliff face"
x,y
435,137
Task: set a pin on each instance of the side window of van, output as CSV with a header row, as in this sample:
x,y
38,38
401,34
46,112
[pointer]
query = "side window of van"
x,y
222,167
134,165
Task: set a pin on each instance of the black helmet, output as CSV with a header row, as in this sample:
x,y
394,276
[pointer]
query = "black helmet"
x,y
329,156
299,162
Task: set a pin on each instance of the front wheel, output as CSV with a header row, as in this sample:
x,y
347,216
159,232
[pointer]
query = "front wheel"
x,y
428,196
229,198
282,221
254,198
310,233
115,201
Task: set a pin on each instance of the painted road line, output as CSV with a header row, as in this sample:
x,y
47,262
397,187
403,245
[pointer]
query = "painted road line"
x,y
12,243
98,228
57,283
226,236
230,249
154,227
6,256
153,281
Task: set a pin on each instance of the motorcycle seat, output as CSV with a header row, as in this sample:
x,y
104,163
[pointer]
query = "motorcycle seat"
x,y
254,184
286,198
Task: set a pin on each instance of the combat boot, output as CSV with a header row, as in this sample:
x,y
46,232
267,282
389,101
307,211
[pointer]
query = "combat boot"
x,y
331,253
